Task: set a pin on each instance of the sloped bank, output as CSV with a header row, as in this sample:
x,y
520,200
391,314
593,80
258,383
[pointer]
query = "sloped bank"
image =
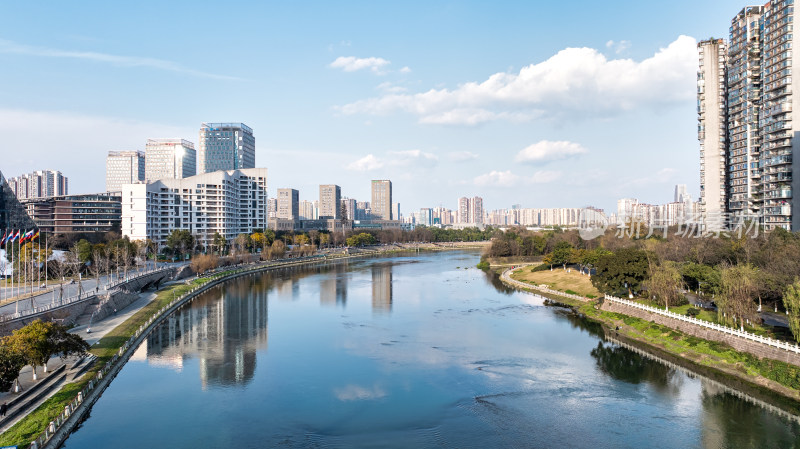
x,y
771,380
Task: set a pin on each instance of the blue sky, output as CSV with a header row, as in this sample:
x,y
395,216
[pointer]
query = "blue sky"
x,y
543,104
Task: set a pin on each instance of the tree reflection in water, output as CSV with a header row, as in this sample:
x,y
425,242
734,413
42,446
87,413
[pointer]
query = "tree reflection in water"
x,y
627,366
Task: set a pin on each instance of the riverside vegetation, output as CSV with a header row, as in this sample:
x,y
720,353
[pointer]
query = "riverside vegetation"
x,y
737,273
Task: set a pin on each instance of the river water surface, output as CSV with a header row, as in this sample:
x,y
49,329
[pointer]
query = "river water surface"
x,y
409,351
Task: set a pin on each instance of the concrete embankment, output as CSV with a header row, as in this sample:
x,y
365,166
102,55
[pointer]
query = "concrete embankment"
x,y
608,314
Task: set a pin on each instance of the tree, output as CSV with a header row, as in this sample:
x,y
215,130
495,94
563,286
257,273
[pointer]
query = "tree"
x,y
40,340
665,283
324,239
791,300
242,243
622,271
738,288
219,242
11,362
258,239
204,262
277,250
179,240
562,253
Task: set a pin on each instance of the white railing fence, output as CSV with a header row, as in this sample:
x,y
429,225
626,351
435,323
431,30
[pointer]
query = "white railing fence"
x,y
709,325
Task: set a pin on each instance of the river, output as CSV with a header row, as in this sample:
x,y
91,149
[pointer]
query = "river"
x,y
408,351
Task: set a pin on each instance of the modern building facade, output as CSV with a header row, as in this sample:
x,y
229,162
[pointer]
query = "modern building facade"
x,y
350,208
226,146
308,210
288,204
745,127
330,198
169,158
123,167
712,132
744,97
77,214
228,202
382,199
39,184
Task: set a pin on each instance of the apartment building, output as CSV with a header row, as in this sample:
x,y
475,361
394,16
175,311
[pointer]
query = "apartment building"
x,y
288,204
39,184
745,101
381,199
330,198
229,202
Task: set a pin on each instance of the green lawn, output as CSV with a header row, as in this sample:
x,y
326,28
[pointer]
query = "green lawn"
x,y
27,429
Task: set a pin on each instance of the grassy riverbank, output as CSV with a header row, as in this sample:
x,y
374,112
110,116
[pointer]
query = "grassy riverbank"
x,y
28,428
776,376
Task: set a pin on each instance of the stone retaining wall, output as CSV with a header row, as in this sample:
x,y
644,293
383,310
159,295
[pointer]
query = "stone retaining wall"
x,y
740,344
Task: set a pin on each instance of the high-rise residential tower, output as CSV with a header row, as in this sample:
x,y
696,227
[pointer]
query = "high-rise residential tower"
x,y
330,198
226,146
779,175
169,159
743,106
39,184
288,204
382,199
711,132
123,167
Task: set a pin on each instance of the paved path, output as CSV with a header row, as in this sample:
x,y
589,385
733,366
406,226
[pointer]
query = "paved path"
x,y
98,330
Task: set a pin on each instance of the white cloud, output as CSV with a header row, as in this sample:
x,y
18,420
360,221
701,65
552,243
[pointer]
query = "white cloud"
x,y
619,46
390,88
507,179
408,158
544,177
358,393
461,156
10,47
352,64
412,157
497,179
547,150
366,163
573,82
405,69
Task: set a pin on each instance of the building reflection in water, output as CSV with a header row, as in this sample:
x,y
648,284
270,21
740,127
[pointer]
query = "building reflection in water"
x,y
333,285
224,329
382,288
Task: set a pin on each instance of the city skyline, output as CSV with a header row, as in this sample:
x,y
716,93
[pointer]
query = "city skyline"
x,y
380,108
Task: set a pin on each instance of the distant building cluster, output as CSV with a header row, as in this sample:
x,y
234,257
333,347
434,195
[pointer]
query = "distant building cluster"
x,y
39,184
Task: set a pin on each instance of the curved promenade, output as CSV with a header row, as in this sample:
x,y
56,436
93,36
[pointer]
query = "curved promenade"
x,y
59,429
744,341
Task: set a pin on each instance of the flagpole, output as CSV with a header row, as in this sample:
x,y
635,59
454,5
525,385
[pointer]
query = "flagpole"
x,y
16,301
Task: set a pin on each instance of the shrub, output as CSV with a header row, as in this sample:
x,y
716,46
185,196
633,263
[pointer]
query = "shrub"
x,y
541,267
692,312
483,265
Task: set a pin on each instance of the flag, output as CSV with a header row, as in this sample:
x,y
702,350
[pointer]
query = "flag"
x,y
26,236
3,240
15,236
35,236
